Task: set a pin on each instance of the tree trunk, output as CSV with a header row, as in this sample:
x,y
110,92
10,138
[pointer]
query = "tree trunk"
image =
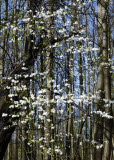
x,y
103,85
108,123
49,61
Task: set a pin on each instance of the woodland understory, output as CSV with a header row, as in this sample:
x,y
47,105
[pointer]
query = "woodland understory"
x,y
56,80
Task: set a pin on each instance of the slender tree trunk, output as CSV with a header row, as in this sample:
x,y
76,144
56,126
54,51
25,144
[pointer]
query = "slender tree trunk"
x,y
3,44
103,84
1,65
48,107
108,123
41,122
49,55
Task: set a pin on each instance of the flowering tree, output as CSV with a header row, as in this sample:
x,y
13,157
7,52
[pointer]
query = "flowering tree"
x,y
56,72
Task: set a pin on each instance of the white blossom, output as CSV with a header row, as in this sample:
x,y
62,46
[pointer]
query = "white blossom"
x,y
12,95
40,109
33,74
22,102
24,68
49,151
52,140
31,113
32,96
41,117
99,146
48,120
45,113
41,139
11,106
57,150
4,114
14,116
14,81
95,49
53,110
103,114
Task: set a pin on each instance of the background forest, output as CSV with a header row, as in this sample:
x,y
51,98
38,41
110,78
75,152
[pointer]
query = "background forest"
x,y
56,80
